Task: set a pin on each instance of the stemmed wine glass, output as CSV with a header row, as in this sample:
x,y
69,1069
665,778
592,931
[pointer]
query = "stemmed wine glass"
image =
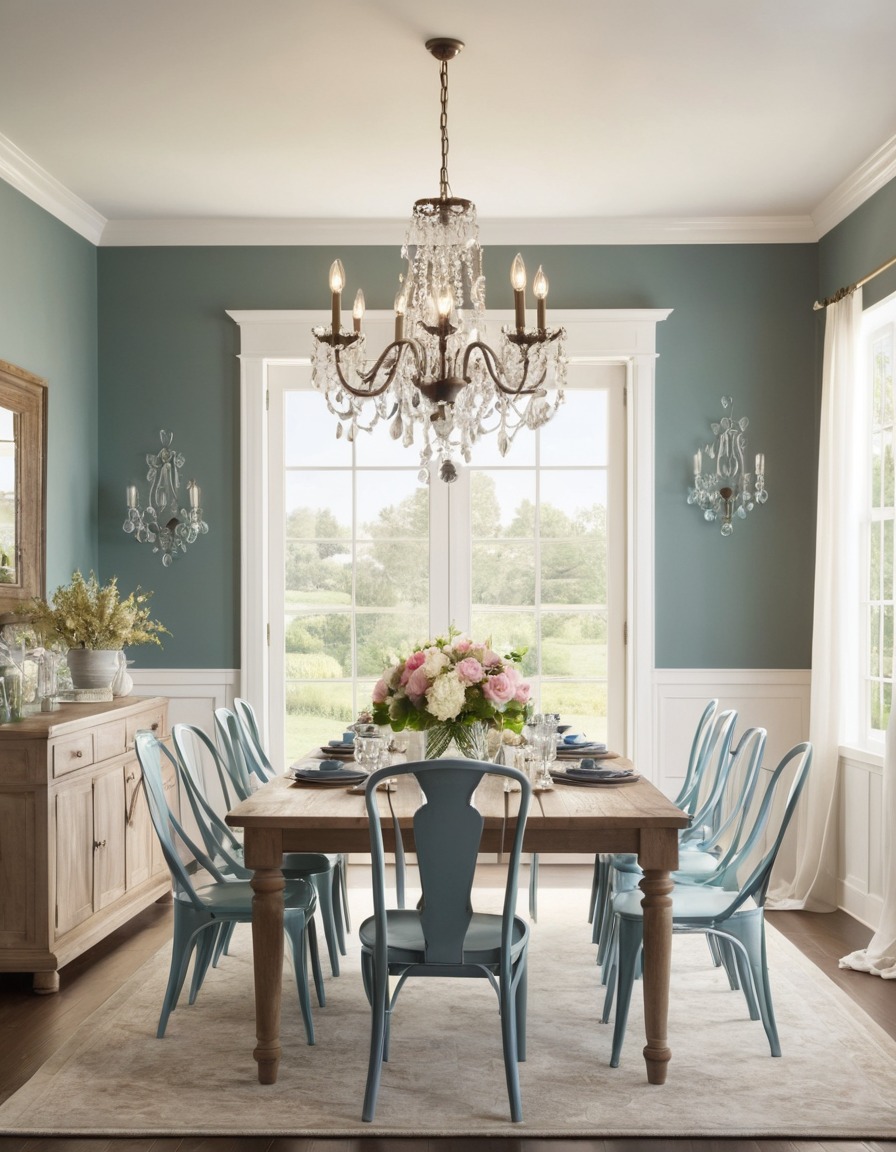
x,y
541,735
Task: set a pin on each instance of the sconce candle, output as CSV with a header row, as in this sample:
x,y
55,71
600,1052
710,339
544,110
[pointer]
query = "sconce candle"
x,y
132,495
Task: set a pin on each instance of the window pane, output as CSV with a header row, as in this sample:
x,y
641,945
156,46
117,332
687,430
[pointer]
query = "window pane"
x,y
577,433
317,574
503,503
383,637
572,496
392,574
318,647
392,503
573,572
504,573
315,713
874,665
508,631
582,705
574,644
319,503
309,433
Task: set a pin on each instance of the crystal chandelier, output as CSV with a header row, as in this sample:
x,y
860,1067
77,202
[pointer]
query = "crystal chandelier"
x,y
162,524
438,376
727,489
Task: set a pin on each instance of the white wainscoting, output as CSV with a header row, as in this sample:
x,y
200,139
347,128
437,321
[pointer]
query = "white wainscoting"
x,y
860,835
193,693
774,699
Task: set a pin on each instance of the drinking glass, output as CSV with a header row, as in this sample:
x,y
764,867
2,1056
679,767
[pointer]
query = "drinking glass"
x,y
371,752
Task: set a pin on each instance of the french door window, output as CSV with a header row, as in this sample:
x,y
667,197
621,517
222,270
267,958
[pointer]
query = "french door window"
x,y
518,550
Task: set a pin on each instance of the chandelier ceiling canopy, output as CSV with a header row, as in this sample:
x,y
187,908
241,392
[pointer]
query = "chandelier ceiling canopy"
x,y
439,376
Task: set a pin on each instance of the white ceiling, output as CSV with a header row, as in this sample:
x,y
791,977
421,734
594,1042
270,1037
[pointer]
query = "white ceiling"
x,y
608,113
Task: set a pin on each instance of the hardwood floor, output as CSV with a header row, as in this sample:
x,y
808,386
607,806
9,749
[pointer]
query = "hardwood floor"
x,y
33,1027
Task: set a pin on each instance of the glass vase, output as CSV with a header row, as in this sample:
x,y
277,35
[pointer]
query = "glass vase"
x,y
466,740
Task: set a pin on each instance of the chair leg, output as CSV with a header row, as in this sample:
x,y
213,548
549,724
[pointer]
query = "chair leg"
x,y
206,943
750,930
380,994
509,1043
182,944
520,1007
295,926
314,953
631,932
338,909
343,885
533,887
323,886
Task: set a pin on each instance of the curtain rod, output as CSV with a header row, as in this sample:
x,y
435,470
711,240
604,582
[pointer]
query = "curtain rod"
x,y
842,292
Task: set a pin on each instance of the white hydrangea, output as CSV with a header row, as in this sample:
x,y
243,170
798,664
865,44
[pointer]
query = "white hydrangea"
x,y
445,698
435,661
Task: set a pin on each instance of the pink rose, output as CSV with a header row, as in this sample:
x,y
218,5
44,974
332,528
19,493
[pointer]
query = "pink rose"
x,y
380,691
499,690
490,659
412,663
417,685
469,671
462,644
521,686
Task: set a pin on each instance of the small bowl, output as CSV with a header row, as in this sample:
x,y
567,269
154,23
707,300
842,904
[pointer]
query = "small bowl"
x,y
574,738
329,766
348,737
561,728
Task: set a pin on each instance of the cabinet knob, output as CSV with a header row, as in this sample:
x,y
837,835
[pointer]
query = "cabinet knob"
x,y
154,727
78,754
132,776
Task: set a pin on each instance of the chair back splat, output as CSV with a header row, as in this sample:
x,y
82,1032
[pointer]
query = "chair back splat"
x,y
444,935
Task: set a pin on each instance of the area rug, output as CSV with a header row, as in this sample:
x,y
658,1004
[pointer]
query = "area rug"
x,y
836,1078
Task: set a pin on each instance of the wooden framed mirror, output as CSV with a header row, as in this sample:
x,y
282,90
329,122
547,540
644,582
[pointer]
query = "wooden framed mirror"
x,y
23,475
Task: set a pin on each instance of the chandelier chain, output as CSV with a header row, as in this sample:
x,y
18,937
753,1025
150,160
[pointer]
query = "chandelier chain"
x,y
444,187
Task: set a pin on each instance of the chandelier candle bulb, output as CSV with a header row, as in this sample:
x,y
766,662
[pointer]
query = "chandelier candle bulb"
x,y
540,288
358,310
760,463
401,306
132,495
518,281
337,283
195,493
698,462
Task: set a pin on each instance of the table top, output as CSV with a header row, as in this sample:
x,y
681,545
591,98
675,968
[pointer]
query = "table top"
x,y
286,804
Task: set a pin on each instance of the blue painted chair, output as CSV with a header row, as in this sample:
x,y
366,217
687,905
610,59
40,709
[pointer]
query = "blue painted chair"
x,y
195,747
443,936
201,910
732,909
700,795
249,735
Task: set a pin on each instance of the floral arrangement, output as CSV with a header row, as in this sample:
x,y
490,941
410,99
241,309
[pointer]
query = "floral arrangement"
x,y
86,614
452,681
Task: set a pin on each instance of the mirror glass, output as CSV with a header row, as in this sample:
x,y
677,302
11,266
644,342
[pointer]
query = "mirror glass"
x,y
23,443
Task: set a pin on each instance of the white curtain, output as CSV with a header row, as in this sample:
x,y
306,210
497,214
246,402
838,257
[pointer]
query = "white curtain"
x,y
835,659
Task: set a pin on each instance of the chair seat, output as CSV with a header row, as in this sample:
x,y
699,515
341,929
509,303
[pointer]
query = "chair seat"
x,y
689,902
482,943
235,896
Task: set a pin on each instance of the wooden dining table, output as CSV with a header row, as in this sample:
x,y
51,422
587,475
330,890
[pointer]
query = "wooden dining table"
x,y
284,816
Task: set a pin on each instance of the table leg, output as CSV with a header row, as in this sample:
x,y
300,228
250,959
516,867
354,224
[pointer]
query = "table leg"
x,y
657,906
267,951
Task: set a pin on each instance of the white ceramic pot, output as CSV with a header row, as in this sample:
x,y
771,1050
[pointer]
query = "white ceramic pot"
x,y
93,668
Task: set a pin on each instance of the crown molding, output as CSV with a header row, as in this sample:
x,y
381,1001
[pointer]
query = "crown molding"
x,y
511,232
45,190
868,178
17,169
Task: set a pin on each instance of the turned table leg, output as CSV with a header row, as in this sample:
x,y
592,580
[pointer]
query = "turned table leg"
x,y
657,907
267,949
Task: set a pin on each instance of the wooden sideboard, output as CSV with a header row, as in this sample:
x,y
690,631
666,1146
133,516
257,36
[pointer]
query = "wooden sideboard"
x,y
78,853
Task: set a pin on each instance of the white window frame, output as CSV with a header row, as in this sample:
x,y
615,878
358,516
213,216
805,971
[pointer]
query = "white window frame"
x,y
625,336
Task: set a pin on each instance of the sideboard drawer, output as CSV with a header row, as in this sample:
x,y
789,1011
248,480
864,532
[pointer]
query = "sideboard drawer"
x,y
111,740
154,721
72,754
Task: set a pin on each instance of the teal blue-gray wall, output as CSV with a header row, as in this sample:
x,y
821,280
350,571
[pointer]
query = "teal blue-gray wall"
x,y
741,325
132,340
48,325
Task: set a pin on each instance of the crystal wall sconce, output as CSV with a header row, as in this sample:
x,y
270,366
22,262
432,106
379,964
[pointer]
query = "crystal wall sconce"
x,y
162,523
723,488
